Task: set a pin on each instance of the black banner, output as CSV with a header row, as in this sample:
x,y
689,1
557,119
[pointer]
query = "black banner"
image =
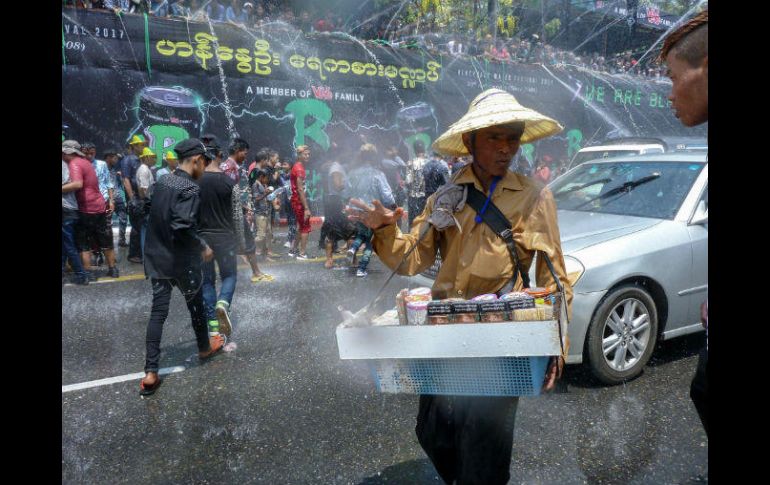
x,y
171,79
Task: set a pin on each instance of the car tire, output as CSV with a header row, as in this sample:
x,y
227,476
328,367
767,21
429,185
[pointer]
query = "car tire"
x,y
622,334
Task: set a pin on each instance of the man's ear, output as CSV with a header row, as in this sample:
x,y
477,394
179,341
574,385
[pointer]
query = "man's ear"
x,y
467,142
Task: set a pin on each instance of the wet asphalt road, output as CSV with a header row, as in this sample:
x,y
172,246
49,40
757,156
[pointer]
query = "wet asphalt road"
x,y
283,408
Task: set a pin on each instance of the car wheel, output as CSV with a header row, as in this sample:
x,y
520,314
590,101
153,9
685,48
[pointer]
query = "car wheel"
x,y
622,334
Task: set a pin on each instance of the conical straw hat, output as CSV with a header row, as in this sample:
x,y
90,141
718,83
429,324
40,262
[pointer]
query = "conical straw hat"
x,y
490,108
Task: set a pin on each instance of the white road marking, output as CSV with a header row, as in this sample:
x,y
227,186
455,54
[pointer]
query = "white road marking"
x,y
116,379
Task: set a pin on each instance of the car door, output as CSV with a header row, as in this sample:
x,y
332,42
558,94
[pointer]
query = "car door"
x,y
699,236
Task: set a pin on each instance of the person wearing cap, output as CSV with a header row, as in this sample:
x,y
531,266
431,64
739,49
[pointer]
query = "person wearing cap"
x,y
171,162
685,52
69,219
92,220
469,439
144,182
128,167
106,188
174,252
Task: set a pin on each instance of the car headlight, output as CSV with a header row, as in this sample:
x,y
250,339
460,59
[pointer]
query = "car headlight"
x,y
574,268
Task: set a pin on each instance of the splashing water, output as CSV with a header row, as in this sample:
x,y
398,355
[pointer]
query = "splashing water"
x,y
228,109
675,25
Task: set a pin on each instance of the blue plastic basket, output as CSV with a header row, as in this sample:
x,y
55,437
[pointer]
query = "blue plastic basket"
x,y
494,376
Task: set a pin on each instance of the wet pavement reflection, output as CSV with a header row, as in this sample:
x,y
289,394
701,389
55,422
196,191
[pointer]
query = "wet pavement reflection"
x,y
283,408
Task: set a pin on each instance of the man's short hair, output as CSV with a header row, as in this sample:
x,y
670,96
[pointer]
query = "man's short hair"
x,y
87,145
262,154
419,147
302,149
690,41
237,145
368,153
111,151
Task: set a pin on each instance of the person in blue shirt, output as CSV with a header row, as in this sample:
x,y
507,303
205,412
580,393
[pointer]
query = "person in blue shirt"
x,y
236,14
367,183
216,11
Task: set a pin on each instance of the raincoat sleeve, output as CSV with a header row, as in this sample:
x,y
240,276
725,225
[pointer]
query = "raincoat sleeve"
x,y
184,214
391,244
542,235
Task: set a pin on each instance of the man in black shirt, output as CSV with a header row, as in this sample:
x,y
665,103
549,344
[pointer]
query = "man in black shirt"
x,y
173,256
217,229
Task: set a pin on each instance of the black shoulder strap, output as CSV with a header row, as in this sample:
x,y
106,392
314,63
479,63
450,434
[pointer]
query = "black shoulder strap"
x,y
497,221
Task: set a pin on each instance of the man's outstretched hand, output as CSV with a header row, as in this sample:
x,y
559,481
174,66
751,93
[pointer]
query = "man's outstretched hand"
x,y
372,217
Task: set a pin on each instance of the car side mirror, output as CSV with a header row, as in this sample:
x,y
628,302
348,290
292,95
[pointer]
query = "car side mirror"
x,y
701,215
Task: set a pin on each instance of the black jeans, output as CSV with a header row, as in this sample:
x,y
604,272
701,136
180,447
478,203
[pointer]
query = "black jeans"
x,y
136,217
699,389
161,297
121,212
468,438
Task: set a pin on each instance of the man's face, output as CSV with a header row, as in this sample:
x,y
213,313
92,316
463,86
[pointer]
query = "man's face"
x,y
111,159
172,163
304,156
690,91
286,166
274,160
67,157
90,154
137,148
240,156
495,147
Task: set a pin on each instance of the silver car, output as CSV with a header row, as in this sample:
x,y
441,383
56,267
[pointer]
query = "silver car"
x,y
634,234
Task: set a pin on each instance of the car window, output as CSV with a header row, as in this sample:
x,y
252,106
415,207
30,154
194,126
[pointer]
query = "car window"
x,y
605,188
583,157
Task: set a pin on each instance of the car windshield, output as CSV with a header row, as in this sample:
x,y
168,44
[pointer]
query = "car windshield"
x,y
643,189
583,157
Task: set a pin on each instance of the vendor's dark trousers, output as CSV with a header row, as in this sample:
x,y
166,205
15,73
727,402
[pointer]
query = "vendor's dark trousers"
x,y
161,297
699,389
416,206
469,439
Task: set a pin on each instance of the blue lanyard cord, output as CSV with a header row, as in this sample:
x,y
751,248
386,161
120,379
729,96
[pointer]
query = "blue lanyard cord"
x,y
486,202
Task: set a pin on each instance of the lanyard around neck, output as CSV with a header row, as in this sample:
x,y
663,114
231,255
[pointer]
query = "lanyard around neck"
x,y
486,202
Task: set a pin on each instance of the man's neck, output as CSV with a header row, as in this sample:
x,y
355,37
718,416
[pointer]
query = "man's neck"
x,y
188,169
485,178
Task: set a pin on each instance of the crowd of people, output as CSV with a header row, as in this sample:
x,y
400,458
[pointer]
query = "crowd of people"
x,y
255,14
266,192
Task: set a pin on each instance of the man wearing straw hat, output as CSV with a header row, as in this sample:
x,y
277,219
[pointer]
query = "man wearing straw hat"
x,y
469,439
